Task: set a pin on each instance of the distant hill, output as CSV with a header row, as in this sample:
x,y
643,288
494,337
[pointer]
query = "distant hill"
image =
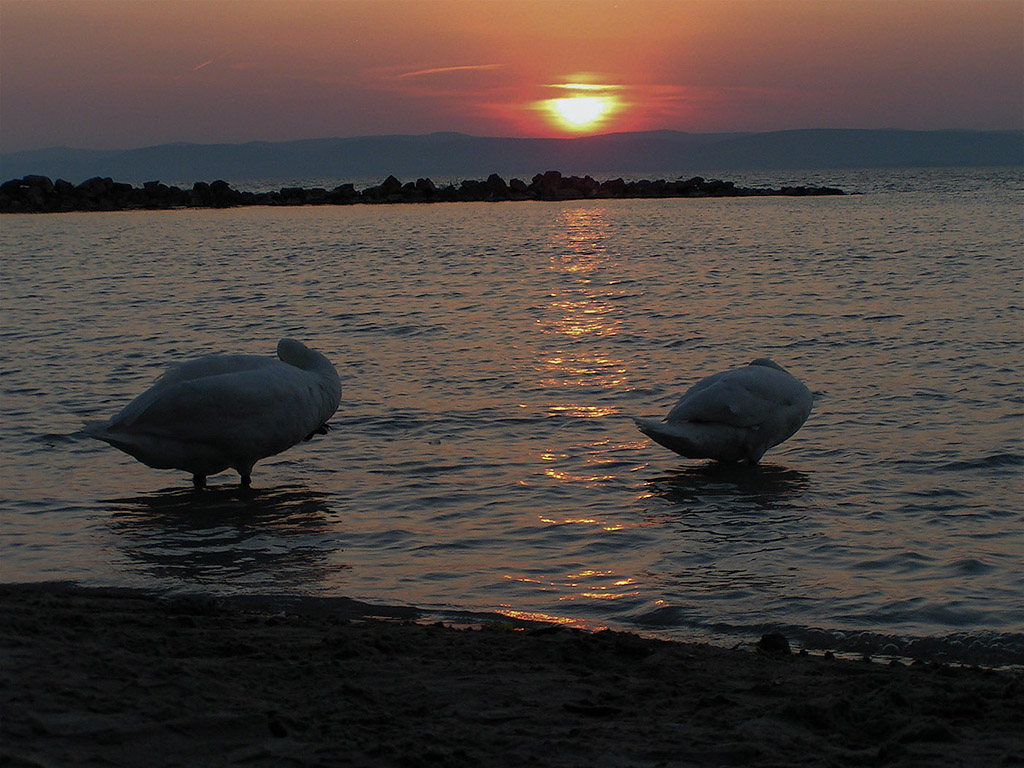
x,y
446,155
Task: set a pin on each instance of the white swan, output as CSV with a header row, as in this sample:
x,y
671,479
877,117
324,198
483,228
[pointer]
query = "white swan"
x,y
735,415
227,411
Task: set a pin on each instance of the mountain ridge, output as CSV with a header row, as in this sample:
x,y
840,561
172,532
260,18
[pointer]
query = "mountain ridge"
x,y
453,154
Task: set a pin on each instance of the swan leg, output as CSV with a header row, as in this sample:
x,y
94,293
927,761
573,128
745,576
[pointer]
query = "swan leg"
x,y
199,481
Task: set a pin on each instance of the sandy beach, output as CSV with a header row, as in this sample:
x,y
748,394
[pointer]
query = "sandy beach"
x,y
93,677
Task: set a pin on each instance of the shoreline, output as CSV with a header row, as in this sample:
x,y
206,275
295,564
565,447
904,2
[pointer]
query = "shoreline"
x,y
40,194
118,676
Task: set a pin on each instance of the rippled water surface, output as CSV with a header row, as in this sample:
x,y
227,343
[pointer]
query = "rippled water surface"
x,y
484,459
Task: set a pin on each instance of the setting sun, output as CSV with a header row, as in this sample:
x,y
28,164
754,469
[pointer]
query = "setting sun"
x,y
588,107
580,111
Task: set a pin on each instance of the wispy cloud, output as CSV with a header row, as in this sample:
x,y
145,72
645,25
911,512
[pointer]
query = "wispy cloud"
x,y
446,70
196,68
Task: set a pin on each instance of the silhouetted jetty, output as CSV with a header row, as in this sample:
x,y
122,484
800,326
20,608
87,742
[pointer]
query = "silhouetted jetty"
x,y
39,194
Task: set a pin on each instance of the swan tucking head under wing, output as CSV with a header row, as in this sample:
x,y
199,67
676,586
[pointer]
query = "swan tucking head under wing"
x,y
735,415
227,411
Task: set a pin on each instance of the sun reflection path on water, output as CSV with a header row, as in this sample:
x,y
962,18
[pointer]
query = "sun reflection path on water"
x,y
582,313
587,584
583,378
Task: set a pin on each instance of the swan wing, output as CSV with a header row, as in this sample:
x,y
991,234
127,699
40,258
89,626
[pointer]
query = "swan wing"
x,y
698,440
251,411
213,365
738,398
201,368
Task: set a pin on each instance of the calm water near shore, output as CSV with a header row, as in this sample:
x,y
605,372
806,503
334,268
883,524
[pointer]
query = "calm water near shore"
x,y
484,459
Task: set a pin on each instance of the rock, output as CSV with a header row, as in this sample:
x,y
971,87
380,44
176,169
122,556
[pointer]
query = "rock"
x,y
391,186
614,187
222,195
774,644
42,183
471,190
95,186
545,185
343,193
496,187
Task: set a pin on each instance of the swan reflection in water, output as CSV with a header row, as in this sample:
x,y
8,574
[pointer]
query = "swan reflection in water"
x,y
728,531
764,485
232,537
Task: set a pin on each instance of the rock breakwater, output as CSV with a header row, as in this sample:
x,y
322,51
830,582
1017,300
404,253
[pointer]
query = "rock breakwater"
x,y
40,194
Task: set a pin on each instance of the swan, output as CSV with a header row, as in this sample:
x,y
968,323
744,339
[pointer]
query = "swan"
x,y
735,415
223,412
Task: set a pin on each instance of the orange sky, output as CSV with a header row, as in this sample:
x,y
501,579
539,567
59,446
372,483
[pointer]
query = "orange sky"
x,y
128,73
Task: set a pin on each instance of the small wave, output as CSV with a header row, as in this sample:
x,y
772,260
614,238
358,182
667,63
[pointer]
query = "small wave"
x,y
991,649
995,461
985,648
925,394
58,438
969,566
940,493
898,562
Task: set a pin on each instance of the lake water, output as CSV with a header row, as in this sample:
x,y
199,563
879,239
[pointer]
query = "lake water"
x,y
484,459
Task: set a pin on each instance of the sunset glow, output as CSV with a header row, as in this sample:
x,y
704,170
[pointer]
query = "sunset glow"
x,y
587,108
580,112
122,73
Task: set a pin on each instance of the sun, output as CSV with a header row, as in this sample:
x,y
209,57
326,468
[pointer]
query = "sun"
x,y
581,112
588,107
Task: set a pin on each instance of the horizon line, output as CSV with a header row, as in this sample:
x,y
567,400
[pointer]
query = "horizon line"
x,y
249,142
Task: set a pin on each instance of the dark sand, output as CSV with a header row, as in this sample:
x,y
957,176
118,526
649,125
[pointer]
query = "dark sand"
x,y
108,678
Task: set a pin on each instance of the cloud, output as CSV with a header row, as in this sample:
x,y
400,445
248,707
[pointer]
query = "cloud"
x,y
447,70
451,85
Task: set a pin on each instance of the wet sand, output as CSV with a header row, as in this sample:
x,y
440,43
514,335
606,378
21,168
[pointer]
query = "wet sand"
x,y
119,678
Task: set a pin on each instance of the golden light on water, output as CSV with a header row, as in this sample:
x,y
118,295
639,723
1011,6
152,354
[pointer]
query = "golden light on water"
x,y
545,618
583,411
578,366
589,584
586,316
600,585
605,595
582,310
576,477
569,521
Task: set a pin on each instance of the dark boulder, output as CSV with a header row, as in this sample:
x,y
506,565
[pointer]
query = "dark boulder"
x,y
42,183
497,189
391,186
471,190
613,188
95,187
343,193
774,644
546,185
